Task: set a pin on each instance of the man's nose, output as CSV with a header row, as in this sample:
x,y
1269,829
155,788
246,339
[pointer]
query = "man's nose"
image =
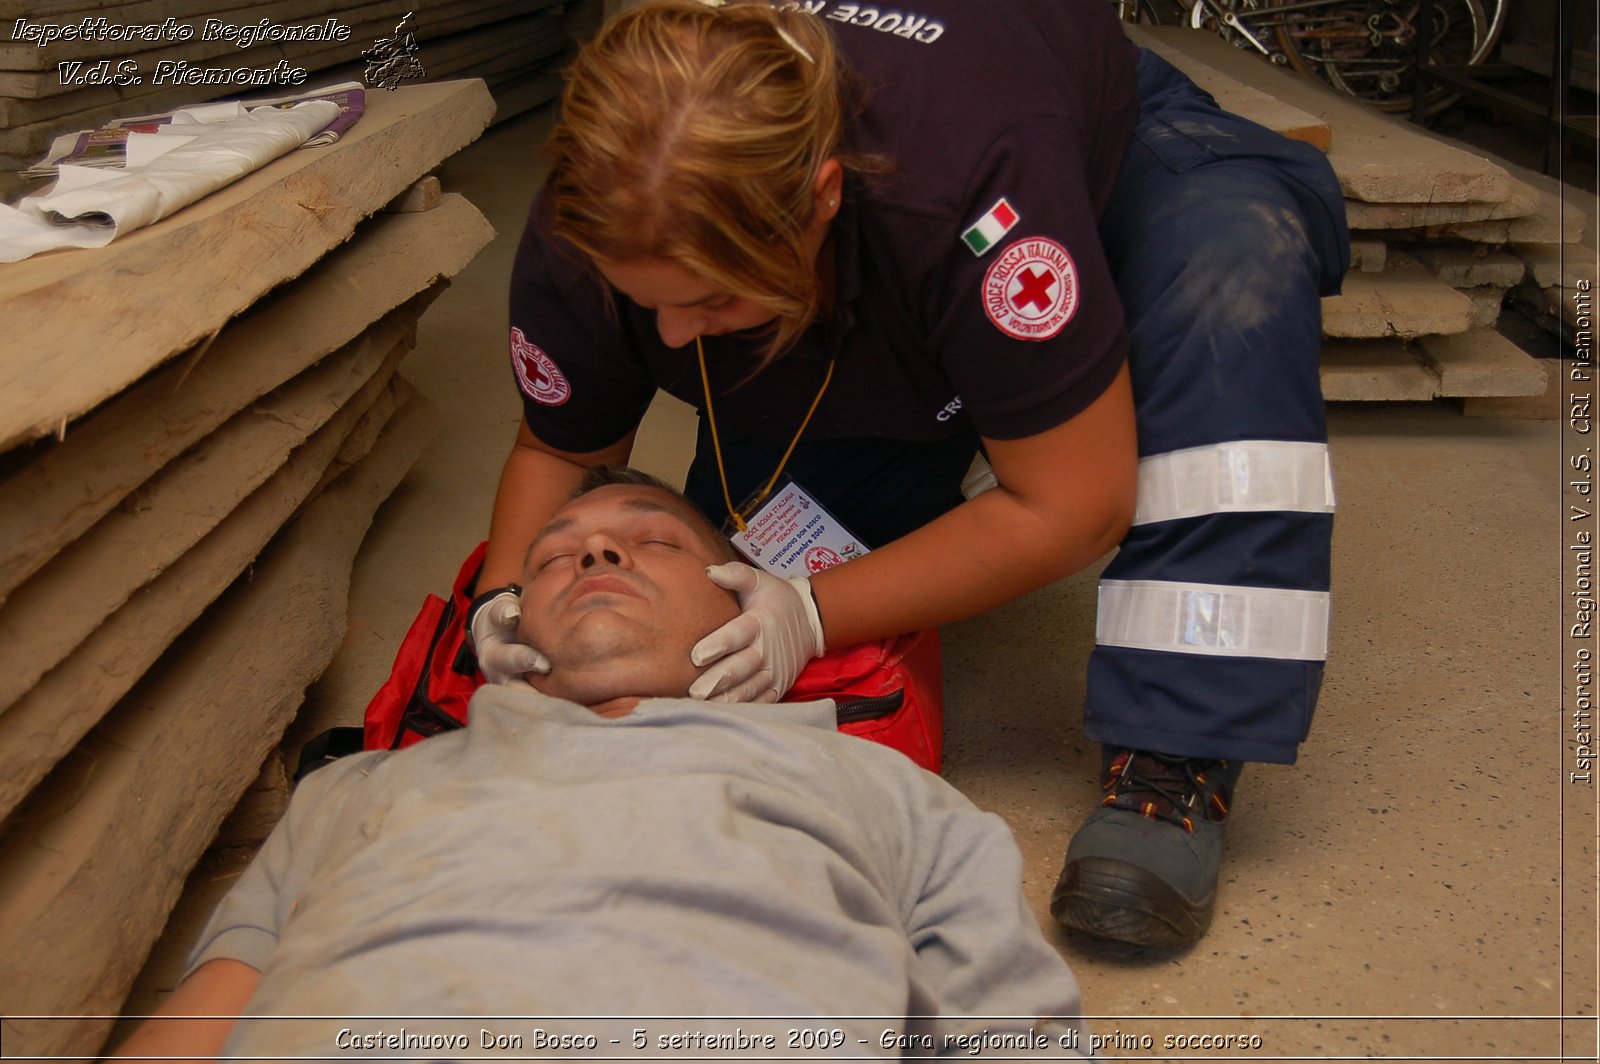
x,y
603,549
678,325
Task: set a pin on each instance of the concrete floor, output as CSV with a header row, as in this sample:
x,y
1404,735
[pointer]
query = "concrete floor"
x,y
1408,870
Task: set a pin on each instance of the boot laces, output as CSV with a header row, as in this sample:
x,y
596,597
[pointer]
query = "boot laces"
x,y
1179,790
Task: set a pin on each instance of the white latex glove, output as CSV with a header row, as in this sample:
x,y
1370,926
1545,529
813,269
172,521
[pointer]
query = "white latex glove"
x,y
493,628
756,656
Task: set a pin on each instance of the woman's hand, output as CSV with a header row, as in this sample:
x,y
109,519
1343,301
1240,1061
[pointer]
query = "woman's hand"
x,y
492,625
756,656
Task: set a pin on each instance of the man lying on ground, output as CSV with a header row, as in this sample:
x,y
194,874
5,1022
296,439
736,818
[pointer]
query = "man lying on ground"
x,y
597,844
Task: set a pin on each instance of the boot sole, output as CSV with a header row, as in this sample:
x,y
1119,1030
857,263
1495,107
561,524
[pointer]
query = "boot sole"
x,y
1113,899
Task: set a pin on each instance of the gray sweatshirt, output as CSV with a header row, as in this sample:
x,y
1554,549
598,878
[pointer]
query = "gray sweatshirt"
x,y
664,884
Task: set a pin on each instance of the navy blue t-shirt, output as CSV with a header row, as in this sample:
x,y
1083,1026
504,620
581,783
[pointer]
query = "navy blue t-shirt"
x,y
972,291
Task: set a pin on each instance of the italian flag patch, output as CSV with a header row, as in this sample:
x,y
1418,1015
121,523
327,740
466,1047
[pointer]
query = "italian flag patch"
x,y
987,231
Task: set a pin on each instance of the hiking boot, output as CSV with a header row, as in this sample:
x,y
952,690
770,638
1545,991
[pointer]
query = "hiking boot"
x,y
1143,867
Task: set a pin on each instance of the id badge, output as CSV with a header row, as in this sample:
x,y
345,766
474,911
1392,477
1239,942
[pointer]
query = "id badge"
x,y
792,534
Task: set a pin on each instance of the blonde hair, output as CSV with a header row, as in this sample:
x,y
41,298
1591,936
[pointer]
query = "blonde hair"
x,y
695,134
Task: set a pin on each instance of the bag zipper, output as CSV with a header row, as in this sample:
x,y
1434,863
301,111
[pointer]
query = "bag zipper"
x,y
862,709
422,715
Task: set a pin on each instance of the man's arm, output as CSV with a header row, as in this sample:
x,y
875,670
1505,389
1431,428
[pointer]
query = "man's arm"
x,y
980,953
243,931
198,1016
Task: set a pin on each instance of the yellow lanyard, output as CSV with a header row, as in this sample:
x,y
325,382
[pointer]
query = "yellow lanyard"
x,y
736,516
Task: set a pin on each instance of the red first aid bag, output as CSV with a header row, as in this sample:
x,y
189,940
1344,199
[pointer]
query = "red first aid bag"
x,y
891,691
434,673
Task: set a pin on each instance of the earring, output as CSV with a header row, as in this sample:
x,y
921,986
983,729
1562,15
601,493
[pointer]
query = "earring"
x,y
832,204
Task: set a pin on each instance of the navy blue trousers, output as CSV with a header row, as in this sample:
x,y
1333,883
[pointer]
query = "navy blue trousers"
x,y
1222,237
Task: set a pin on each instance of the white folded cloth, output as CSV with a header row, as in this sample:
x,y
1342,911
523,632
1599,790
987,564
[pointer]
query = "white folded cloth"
x,y
203,149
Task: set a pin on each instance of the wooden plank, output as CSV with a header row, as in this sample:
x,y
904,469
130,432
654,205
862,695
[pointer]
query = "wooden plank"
x,y
90,870
259,809
1482,363
39,728
1546,406
1521,200
1374,370
1550,265
160,84
542,51
1556,219
221,253
45,108
359,24
368,428
93,576
22,53
425,195
515,96
524,49
1404,300
33,88
1367,252
146,11
137,11
1464,265
525,43
1377,158
39,95
522,70
1488,301
32,139
66,487
1551,309
1239,98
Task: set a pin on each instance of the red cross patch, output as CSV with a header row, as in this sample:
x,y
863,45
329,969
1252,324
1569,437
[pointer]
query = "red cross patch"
x,y
537,373
1031,290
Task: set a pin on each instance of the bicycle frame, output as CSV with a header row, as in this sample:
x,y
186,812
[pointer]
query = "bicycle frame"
x,y
1228,18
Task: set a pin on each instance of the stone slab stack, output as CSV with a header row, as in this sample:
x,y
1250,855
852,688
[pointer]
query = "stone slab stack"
x,y
199,421
1439,236
63,69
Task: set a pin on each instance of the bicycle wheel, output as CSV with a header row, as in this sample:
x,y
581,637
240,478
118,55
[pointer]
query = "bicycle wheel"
x,y
1367,48
1146,13
1143,12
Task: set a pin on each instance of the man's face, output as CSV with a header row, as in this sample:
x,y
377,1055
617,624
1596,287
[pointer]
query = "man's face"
x,y
615,593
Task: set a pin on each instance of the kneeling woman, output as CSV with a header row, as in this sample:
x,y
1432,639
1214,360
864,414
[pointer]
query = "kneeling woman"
x,y
865,248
